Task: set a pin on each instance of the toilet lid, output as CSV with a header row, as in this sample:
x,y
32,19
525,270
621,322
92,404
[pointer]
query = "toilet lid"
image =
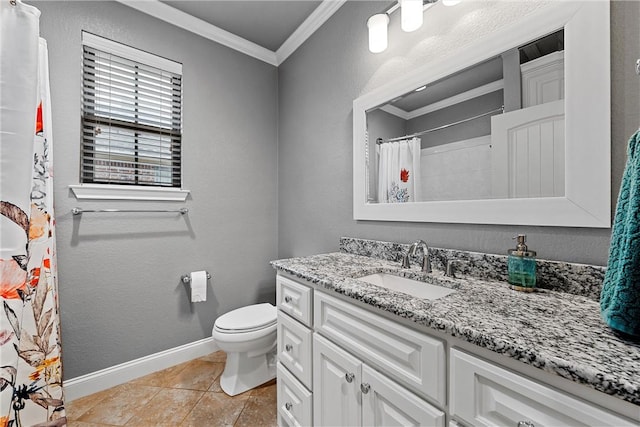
x,y
251,317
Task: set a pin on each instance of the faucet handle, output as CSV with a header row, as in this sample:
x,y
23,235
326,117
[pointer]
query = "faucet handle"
x,y
450,271
405,261
453,265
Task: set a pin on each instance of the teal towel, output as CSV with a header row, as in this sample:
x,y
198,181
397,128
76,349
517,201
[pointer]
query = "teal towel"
x,y
620,297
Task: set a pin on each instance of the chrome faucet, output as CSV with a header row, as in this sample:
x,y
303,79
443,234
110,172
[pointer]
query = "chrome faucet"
x,y
426,263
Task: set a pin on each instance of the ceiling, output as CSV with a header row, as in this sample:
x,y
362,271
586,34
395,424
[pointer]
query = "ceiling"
x,y
269,30
266,23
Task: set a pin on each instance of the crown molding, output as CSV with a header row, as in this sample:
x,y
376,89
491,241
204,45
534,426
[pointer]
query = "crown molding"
x,y
314,21
398,112
202,28
447,102
195,25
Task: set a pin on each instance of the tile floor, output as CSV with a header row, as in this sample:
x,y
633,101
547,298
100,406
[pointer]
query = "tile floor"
x,y
186,395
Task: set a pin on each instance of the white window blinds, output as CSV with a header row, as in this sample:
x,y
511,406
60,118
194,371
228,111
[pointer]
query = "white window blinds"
x,y
131,116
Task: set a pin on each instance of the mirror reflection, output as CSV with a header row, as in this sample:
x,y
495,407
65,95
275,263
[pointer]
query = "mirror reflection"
x,y
492,131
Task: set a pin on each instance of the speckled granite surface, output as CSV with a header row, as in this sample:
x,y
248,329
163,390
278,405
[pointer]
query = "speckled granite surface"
x,y
577,279
555,331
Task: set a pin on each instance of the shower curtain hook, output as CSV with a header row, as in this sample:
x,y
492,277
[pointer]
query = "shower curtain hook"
x,y
13,2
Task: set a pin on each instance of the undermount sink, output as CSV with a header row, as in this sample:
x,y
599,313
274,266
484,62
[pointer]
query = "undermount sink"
x,y
408,286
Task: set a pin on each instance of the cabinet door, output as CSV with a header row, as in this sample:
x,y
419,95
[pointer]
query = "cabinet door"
x,y
412,358
483,394
336,381
385,403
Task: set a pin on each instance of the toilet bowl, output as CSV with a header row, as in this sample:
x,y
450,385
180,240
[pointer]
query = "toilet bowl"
x,y
248,336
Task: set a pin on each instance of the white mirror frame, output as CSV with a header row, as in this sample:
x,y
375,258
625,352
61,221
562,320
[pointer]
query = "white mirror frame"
x,y
587,200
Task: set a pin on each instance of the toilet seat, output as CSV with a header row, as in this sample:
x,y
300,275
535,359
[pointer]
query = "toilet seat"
x,y
247,319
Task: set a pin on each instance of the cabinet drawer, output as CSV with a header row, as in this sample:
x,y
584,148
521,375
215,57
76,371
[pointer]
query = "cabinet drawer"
x,y
295,299
408,356
294,401
294,348
483,394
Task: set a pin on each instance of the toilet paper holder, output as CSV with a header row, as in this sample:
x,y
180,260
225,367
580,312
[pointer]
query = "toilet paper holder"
x,y
187,278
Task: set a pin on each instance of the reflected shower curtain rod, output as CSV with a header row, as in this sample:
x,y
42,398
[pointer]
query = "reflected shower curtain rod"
x,y
382,141
79,211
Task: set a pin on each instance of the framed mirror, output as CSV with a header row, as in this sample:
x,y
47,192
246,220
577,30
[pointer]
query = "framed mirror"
x,y
511,129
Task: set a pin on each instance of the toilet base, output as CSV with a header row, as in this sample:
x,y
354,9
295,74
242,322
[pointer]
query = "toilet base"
x,y
243,372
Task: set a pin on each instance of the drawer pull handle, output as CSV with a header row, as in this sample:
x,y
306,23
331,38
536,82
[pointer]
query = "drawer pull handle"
x,y
364,388
349,377
526,424
288,347
288,406
287,299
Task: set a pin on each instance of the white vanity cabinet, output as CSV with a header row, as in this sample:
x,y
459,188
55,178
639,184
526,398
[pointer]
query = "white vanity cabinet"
x,y
348,392
372,371
295,316
344,364
484,394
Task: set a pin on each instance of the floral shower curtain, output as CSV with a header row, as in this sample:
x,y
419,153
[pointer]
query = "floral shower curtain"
x,y
399,171
30,349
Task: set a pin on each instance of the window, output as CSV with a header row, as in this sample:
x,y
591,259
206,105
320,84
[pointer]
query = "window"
x,y
131,116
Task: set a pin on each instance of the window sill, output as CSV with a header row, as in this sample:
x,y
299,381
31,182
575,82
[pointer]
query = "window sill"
x,y
129,192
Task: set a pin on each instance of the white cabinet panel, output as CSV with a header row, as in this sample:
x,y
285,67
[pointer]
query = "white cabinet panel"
x,y
336,378
295,299
484,394
385,403
294,401
527,155
412,358
294,348
543,79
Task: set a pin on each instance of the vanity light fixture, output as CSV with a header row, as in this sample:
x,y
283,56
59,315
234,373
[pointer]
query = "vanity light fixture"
x,y
377,25
411,15
411,18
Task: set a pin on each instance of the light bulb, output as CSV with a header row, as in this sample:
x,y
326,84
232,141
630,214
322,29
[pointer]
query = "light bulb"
x,y
377,25
411,12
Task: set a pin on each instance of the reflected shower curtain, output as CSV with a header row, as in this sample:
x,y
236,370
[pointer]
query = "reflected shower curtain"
x,y
30,349
399,171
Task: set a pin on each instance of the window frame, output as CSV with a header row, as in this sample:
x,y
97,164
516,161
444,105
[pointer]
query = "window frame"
x,y
125,191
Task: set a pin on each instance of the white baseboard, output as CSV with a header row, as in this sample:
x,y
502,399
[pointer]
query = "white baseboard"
x,y
115,375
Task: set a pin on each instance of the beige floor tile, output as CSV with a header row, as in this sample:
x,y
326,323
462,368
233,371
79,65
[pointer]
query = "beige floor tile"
x,y
267,389
164,378
83,424
168,407
120,406
216,409
259,411
218,356
76,408
197,375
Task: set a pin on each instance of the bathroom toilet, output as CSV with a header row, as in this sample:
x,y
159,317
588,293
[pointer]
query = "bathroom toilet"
x,y
248,336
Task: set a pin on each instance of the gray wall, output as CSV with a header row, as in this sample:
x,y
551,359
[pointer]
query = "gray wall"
x,y
119,274
461,111
317,85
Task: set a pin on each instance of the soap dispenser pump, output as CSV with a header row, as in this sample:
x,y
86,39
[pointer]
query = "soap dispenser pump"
x,y
521,265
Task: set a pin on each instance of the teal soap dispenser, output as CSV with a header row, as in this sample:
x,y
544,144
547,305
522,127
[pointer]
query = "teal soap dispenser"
x,y
521,265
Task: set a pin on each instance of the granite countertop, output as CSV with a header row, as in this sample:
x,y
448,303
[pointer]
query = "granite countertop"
x,y
558,332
